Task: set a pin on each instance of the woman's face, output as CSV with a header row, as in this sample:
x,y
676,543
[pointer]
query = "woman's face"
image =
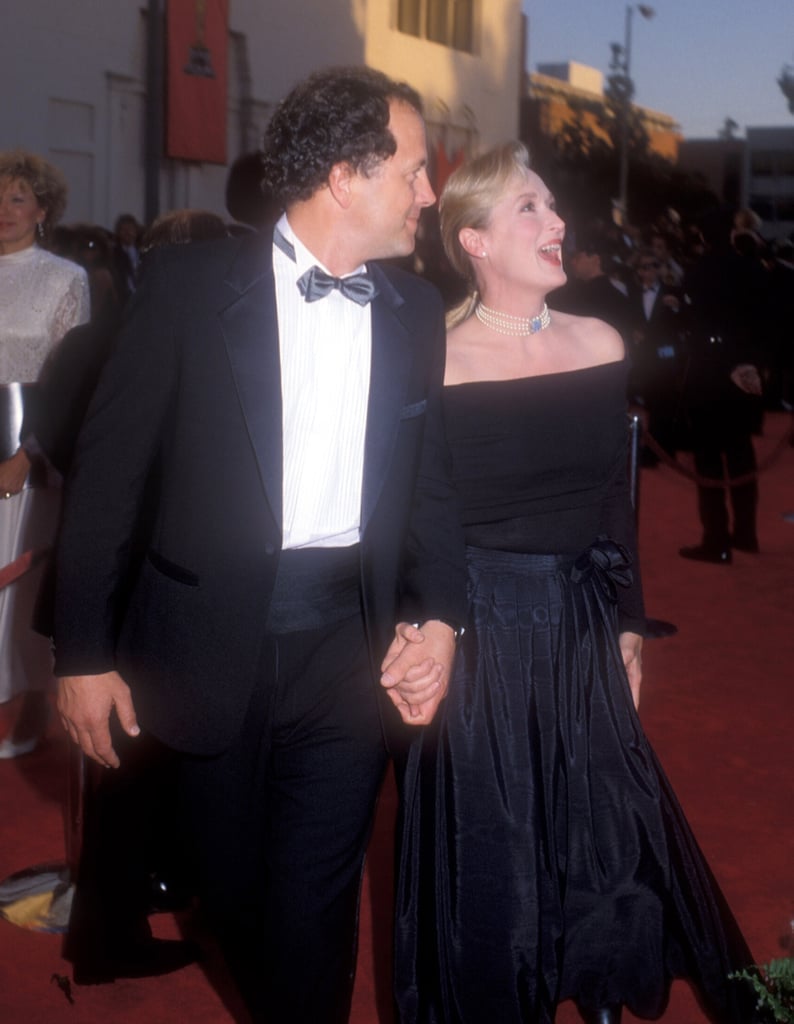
x,y
523,240
20,214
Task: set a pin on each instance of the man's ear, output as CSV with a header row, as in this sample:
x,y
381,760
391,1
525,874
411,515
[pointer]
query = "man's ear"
x,y
472,242
341,183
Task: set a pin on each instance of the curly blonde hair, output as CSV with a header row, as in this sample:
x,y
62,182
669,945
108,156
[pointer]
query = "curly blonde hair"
x,y
45,180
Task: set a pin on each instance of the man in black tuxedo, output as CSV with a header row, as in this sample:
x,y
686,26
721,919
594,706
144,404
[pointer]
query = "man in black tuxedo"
x,y
288,416
589,290
655,352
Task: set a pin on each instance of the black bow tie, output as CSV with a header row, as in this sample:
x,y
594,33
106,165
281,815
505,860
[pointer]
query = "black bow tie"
x,y
316,284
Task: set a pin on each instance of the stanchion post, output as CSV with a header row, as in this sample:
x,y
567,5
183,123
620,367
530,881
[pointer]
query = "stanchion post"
x,y
635,440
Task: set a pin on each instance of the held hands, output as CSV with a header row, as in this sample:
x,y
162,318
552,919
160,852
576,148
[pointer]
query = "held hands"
x,y
417,668
85,704
631,649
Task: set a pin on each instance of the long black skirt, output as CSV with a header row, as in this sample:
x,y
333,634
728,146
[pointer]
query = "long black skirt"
x,y
543,854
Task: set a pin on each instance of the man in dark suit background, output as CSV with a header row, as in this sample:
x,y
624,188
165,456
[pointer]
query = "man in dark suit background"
x,y
590,290
303,506
656,353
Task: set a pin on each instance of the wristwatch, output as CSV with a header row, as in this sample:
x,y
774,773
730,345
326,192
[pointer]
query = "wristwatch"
x,y
457,631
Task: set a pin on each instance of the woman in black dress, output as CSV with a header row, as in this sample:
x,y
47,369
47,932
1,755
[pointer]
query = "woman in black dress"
x,y
544,856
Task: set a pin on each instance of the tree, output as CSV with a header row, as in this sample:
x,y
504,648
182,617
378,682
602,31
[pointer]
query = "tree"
x,y
728,130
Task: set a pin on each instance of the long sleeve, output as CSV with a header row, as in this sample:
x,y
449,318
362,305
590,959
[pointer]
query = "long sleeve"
x,y
619,524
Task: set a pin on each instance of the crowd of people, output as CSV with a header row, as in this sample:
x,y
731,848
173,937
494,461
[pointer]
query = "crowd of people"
x,y
308,526
704,313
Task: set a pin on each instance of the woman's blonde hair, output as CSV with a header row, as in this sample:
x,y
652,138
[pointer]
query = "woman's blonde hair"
x,y
469,195
44,179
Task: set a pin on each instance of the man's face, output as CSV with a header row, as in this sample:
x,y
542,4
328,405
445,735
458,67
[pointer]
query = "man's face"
x,y
390,200
648,271
584,265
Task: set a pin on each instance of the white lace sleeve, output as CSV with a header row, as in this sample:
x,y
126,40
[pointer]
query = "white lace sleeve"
x,y
74,307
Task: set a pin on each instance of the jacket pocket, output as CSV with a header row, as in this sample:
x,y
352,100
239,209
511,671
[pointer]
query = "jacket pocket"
x,y
409,411
172,570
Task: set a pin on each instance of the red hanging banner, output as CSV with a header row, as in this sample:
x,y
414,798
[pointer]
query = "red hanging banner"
x,y
197,41
445,165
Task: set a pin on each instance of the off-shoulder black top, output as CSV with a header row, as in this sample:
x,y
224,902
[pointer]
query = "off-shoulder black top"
x,y
540,464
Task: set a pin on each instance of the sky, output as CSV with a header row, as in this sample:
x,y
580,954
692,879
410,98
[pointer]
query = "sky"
x,y
700,61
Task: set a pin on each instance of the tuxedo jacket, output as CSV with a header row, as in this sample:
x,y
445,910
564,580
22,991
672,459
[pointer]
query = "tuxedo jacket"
x,y
656,358
186,423
662,325
599,298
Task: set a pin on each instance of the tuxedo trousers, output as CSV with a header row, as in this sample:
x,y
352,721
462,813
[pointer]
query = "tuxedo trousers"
x,y
282,818
722,445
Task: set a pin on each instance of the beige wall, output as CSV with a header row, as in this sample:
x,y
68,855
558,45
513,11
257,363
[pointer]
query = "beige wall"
x,y
73,78
475,95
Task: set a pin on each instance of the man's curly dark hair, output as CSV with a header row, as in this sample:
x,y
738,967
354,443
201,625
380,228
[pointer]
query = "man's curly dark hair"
x,y
336,115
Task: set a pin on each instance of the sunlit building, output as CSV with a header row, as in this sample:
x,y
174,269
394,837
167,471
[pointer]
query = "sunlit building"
x,y
562,95
77,80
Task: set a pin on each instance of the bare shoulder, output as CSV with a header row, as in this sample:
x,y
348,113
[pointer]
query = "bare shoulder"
x,y
465,352
596,341
462,332
462,337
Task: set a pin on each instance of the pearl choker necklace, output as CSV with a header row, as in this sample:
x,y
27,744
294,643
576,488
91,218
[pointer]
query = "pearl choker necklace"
x,y
517,326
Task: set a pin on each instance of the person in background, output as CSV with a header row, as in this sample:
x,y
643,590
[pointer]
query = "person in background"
x,y
590,291
127,232
656,354
246,199
41,297
544,856
728,314
94,248
660,246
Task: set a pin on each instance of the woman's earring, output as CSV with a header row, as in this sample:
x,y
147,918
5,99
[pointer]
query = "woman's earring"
x,y
484,254
40,229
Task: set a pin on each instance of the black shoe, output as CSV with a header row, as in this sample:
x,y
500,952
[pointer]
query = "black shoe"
x,y
703,553
609,1015
147,960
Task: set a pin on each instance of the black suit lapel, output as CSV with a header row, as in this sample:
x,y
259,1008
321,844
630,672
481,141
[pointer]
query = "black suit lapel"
x,y
250,327
389,375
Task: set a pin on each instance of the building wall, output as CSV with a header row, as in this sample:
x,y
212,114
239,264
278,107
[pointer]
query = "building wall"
x,y
77,75
769,179
756,172
471,99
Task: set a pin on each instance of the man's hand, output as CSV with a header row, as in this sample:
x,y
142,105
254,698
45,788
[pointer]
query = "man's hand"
x,y
85,704
417,668
747,377
631,649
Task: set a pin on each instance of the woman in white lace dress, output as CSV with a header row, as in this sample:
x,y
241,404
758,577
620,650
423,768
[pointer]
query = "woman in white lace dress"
x,y
41,297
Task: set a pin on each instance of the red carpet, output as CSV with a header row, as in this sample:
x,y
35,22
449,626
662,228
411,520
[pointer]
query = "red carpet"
x,y
717,705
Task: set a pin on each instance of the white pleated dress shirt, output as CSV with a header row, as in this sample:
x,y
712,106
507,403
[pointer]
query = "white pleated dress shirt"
x,y
325,351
